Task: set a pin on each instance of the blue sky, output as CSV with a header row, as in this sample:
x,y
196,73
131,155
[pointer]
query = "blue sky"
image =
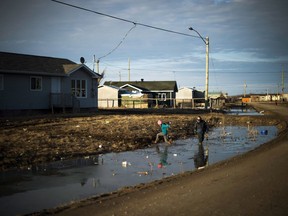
x,y
248,39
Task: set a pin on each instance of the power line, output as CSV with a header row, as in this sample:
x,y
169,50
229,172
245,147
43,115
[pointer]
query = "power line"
x,y
118,43
124,20
191,71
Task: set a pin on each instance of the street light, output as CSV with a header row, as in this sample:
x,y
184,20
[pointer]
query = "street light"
x,y
206,41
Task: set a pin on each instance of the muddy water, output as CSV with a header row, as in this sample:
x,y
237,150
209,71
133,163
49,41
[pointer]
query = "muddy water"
x,y
243,111
51,185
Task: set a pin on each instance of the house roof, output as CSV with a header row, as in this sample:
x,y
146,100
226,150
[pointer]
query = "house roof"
x,y
153,86
41,65
138,88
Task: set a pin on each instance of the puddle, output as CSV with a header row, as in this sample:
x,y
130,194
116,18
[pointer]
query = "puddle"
x,y
243,111
48,186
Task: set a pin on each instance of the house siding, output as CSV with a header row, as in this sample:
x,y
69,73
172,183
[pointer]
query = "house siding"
x,y
16,93
107,97
56,74
184,93
90,101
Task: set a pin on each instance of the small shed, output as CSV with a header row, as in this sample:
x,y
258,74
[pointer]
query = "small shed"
x,y
108,96
188,97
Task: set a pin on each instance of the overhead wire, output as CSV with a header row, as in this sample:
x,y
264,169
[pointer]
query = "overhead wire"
x,y
147,26
124,20
118,44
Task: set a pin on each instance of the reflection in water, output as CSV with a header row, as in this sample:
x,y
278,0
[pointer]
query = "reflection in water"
x,y
68,164
201,157
57,183
163,155
243,111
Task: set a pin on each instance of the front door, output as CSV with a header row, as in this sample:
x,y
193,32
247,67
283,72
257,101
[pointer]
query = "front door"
x,y
56,85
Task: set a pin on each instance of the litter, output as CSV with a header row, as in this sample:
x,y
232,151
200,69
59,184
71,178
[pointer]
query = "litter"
x,y
143,173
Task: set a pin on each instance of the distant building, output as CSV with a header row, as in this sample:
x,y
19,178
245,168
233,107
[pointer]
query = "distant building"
x,y
188,97
108,96
160,93
217,99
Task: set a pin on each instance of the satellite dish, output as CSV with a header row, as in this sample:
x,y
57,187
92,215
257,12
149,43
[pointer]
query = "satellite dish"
x,y
82,60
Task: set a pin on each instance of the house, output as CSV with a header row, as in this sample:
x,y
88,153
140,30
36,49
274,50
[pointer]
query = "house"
x,y
188,97
246,99
265,97
29,82
135,97
160,93
217,99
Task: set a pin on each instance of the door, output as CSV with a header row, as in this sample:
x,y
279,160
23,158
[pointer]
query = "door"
x,y
56,85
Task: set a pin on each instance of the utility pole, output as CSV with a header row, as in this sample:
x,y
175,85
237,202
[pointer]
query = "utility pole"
x,y
94,61
206,41
129,69
245,86
207,72
282,80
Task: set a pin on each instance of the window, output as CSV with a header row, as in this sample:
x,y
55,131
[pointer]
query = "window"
x,y
78,88
36,83
162,96
1,82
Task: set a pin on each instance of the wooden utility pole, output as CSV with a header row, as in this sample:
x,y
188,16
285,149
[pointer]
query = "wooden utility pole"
x,y
129,69
245,86
282,80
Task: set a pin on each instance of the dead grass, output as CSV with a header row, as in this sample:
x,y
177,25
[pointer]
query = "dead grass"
x,y
24,142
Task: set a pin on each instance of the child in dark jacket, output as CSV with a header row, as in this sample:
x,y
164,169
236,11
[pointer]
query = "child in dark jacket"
x,y
200,129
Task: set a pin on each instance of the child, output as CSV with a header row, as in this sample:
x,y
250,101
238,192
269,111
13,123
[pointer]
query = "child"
x,y
164,131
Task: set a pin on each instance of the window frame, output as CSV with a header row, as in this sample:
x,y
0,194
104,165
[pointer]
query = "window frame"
x,y
1,82
77,88
162,96
37,84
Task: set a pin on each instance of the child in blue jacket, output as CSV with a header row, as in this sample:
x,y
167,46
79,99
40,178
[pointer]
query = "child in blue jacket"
x,y
164,132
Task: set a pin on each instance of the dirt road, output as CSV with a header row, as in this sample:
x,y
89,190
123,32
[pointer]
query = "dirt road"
x,y
253,184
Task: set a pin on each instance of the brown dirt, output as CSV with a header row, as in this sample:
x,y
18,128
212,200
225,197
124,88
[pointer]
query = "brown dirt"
x,y
25,142
251,184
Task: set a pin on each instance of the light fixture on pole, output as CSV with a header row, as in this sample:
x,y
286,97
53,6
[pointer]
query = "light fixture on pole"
x,y
206,41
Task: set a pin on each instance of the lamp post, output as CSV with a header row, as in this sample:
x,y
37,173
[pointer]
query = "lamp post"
x,y
206,41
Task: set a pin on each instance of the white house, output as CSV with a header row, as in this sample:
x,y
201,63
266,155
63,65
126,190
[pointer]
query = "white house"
x,y
108,96
186,97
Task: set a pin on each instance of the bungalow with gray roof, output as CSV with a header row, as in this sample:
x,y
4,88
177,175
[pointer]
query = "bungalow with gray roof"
x,y
29,82
161,93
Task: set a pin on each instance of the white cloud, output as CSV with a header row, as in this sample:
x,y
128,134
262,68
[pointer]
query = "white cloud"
x,y
245,35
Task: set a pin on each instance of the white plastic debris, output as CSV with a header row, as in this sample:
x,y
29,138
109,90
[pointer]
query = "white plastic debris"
x,y
124,163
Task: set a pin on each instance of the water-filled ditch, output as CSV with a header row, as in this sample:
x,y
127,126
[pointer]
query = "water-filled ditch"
x,y
50,185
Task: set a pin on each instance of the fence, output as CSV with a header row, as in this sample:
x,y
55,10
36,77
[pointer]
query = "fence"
x,y
151,103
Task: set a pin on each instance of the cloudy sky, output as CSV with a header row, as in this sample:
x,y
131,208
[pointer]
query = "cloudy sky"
x,y
248,39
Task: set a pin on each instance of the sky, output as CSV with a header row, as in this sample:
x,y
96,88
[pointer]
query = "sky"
x,y
247,39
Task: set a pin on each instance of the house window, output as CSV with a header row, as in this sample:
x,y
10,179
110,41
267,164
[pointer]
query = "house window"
x,y
1,82
78,88
162,96
36,83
